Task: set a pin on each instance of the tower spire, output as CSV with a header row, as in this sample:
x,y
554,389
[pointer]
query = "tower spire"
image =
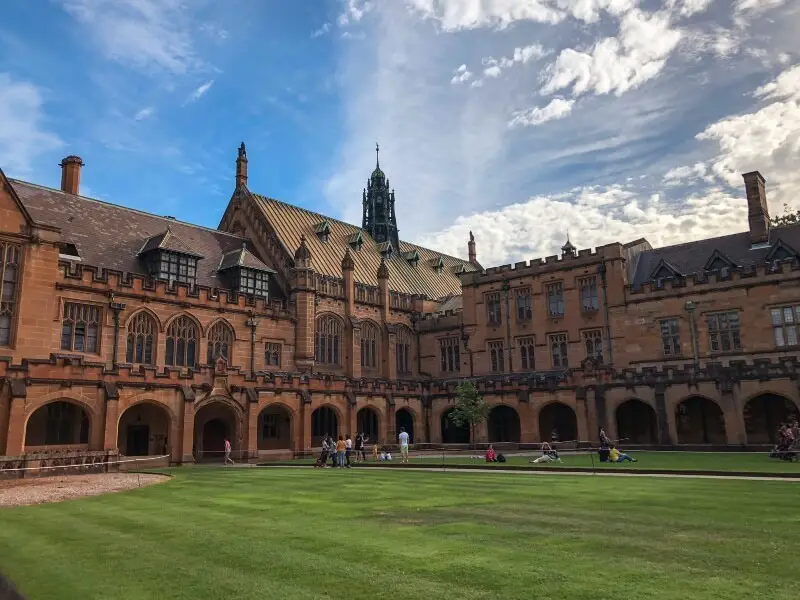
x,y
379,219
377,156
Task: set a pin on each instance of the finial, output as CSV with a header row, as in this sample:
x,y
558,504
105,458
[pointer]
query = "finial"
x,y
244,244
383,269
471,237
377,156
242,151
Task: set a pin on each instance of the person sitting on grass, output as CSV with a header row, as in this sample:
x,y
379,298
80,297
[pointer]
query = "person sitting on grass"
x,y
386,454
491,455
615,456
548,455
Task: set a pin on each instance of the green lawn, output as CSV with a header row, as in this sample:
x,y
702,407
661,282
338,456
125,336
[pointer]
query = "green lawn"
x,y
373,534
674,461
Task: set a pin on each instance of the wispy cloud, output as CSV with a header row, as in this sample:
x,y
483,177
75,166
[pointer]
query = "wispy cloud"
x,y
325,28
144,113
199,92
23,135
146,34
558,108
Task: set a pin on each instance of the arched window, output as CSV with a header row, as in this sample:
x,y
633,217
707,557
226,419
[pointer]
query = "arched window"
x,y
141,339
403,349
327,340
369,345
220,342
181,343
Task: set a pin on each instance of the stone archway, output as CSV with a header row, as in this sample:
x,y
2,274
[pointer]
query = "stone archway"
x,y
404,419
763,416
275,428
143,430
58,424
699,420
213,423
368,423
503,424
324,421
452,433
558,423
637,422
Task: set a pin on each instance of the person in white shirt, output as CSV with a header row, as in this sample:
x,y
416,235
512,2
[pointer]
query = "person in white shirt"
x,y
403,438
348,444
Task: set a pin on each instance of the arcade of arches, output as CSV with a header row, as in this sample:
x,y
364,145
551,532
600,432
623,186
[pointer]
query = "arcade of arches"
x,y
213,424
144,430
637,422
558,423
275,428
57,424
503,424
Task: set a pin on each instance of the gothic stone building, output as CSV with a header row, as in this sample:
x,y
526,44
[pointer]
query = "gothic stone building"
x,y
126,330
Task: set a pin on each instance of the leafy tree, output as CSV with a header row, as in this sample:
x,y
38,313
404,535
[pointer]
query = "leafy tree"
x,y
470,409
789,217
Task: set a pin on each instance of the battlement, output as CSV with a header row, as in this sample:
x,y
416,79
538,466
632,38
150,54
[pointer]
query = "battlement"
x,y
101,280
703,282
549,264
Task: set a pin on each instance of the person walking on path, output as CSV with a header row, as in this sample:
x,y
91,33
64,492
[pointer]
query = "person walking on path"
x,y
348,449
403,438
228,459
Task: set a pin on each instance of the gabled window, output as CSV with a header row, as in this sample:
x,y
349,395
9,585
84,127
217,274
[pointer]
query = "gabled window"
x,y
723,331
220,342
664,270
559,350
555,299
496,357
526,349
524,305
412,257
173,267
356,241
9,278
437,264
80,327
323,231
253,282
589,300
493,308
141,339
451,360
719,262
780,251
182,343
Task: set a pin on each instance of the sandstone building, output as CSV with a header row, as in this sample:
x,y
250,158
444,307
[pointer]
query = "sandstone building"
x,y
122,329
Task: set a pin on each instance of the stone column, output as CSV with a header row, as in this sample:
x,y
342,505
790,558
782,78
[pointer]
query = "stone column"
x,y
15,442
666,425
252,429
112,420
305,441
187,433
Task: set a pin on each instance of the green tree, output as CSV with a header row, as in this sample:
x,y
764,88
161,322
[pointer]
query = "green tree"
x,y
790,216
470,409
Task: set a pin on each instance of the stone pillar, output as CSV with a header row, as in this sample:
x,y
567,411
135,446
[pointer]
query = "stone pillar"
x,y
187,433
252,429
303,291
111,425
734,415
583,425
391,421
601,410
352,412
481,433
15,442
305,442
667,432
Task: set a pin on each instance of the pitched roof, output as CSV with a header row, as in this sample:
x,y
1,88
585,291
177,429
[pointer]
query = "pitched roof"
x,y
111,236
242,257
168,241
693,257
290,222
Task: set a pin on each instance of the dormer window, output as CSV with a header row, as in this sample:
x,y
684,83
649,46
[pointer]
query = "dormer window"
x,y
69,251
323,231
780,251
253,282
719,263
171,267
664,271
437,264
412,258
386,250
170,259
356,241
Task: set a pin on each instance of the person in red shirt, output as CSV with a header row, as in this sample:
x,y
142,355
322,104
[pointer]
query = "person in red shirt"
x,y
491,455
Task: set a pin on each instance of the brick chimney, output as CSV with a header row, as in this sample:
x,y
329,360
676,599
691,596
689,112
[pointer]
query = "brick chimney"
x,y
471,248
757,210
71,174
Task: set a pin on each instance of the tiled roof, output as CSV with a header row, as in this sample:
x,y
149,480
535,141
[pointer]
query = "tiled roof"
x,y
111,236
693,257
454,303
168,241
242,257
290,222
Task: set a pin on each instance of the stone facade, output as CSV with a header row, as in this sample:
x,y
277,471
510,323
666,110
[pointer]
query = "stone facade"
x,y
626,337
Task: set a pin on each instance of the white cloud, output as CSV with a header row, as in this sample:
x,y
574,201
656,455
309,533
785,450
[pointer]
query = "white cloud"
x,y
687,8
593,216
147,34
354,11
558,108
325,28
144,113
687,175
200,91
23,136
786,85
461,75
453,15
494,67
616,65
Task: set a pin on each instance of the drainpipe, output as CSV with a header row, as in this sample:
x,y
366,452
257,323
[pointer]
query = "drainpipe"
x,y
414,321
507,290
252,323
604,284
690,308
116,308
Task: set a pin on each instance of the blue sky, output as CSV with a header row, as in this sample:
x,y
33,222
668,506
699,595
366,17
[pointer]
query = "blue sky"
x,y
519,119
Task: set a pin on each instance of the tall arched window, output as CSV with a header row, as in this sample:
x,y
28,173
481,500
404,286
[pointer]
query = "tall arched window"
x,y
220,342
141,339
369,345
403,349
182,343
327,340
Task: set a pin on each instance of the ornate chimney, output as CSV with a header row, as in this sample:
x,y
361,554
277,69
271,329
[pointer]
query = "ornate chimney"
x,y
757,210
71,174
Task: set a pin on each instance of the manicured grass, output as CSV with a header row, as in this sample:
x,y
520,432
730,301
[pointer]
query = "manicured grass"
x,y
373,534
755,462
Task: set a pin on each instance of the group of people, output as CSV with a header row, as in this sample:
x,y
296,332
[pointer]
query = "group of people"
x,y
788,445
608,452
340,451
